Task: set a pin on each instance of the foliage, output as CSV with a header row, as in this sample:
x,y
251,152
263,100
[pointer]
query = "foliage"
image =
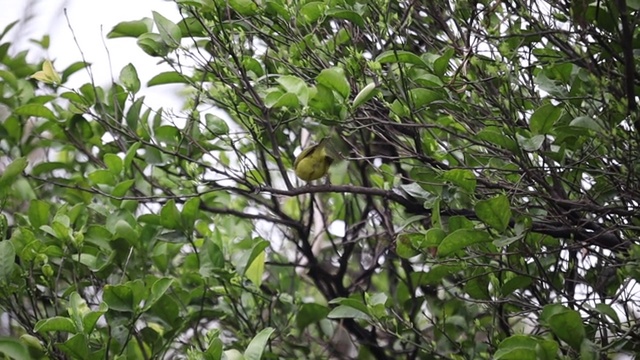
x,y
483,204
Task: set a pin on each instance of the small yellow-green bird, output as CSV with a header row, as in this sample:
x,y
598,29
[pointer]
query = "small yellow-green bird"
x,y
313,162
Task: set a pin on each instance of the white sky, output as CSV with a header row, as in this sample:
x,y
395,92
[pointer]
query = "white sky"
x,y
91,21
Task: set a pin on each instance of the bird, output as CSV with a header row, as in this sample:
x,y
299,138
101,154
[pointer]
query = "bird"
x,y
313,162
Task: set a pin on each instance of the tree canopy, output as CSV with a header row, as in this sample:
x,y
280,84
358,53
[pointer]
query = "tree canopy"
x,y
483,202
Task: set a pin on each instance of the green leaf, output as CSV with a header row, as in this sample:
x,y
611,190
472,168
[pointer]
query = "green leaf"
x,y
168,77
352,16
441,65
544,118
102,176
531,144
310,313
119,297
113,163
354,303
190,212
212,258
133,114
48,167
516,283
258,343
568,326
8,28
39,212
131,28
170,216
191,27
4,227
244,7
153,44
311,11
323,100
11,172
76,346
216,125
463,178
73,68
255,270
517,347
547,349
13,348
496,212
7,260
9,78
169,32
334,79
129,78
435,274
586,122
608,311
347,312
90,319
250,256
461,239
56,323
588,350
296,86
434,237
405,244
422,97
277,100
477,287
158,289
124,230
495,136
196,3
131,153
35,110
400,56
366,94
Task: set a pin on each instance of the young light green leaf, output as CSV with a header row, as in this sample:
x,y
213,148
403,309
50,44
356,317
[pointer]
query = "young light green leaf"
x,y
366,94
48,74
296,86
335,79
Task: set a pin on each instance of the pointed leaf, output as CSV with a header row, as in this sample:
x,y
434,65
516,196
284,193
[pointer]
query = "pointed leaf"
x,y
169,32
460,239
131,28
496,212
258,343
334,79
544,118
